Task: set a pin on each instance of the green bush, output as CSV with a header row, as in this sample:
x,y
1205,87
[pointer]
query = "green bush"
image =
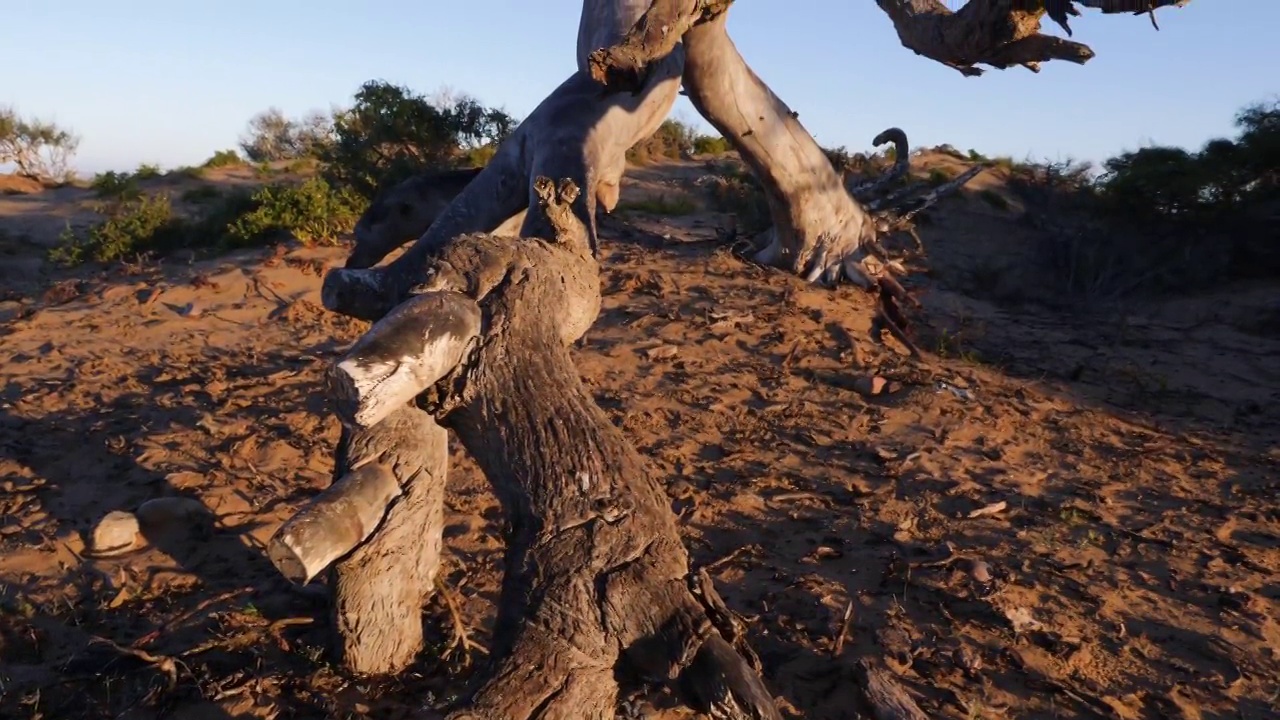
x,y
313,212
391,133
672,140
131,227
711,145
147,171
223,158
115,185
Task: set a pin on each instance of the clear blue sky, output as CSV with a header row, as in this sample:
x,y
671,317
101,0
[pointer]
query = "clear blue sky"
x,y
170,82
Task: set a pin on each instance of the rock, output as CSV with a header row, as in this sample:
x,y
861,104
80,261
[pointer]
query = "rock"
x,y
870,386
117,532
173,511
661,352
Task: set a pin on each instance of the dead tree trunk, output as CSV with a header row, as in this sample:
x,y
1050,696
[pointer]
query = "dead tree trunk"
x,y
597,585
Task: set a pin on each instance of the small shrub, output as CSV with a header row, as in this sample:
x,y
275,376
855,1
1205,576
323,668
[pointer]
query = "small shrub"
x,y
313,212
736,191
115,185
839,157
187,171
711,145
130,227
223,158
978,157
938,176
147,171
672,140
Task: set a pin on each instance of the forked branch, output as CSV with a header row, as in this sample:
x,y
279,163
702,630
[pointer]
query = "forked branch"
x,y
624,67
999,33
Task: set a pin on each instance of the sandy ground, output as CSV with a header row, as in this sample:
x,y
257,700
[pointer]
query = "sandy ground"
x,y
1052,517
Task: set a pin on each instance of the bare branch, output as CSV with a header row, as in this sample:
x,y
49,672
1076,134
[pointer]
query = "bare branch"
x,y
999,33
333,523
402,355
625,66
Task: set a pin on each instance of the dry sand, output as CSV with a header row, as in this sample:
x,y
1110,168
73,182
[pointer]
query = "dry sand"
x,y
1062,517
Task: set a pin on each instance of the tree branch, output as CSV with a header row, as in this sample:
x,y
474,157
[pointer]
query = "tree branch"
x,y
999,33
624,67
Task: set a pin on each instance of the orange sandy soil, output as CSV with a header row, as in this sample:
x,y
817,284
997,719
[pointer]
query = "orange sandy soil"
x,y
1130,570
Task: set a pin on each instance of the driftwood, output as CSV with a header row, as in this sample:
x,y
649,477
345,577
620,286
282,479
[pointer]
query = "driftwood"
x,y
475,336
999,33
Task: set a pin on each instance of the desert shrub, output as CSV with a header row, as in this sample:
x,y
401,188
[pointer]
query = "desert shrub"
x,y
1163,219
116,185
391,133
938,176
313,212
672,140
131,226
223,158
38,149
147,171
994,199
840,158
711,145
977,157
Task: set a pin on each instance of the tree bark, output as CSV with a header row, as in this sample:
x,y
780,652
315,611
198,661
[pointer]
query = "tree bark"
x,y
379,590
597,583
818,228
999,33
578,131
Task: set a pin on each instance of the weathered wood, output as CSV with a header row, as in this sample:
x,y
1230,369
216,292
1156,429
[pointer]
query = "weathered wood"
x,y
625,65
887,699
818,228
597,581
410,348
577,132
382,521
999,33
379,590
333,523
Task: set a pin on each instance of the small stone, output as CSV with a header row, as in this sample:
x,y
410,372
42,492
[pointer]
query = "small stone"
x,y
117,532
981,572
870,386
661,352
169,511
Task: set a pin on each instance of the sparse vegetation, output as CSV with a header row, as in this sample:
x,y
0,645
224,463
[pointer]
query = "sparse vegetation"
x,y
132,225
313,212
223,158
1162,219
